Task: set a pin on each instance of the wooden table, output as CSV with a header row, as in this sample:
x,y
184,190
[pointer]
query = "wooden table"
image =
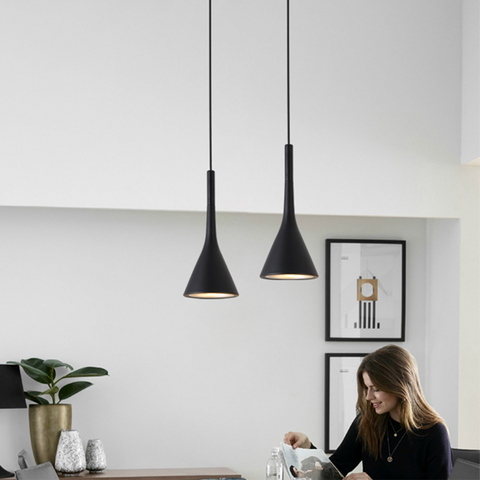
x,y
161,474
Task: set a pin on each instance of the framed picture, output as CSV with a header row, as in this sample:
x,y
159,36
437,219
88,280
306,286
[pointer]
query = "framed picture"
x,y
340,395
365,290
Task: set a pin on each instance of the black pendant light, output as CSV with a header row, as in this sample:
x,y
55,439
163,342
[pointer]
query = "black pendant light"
x,y
210,278
289,258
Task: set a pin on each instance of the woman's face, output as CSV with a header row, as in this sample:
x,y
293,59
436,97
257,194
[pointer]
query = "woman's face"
x,y
381,402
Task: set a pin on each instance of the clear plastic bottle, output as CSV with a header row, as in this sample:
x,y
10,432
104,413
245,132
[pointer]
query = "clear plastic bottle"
x,y
274,465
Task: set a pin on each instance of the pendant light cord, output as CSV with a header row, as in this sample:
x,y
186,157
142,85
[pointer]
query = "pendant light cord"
x,y
288,71
210,74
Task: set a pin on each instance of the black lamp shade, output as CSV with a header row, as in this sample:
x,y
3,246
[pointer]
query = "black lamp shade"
x,y
11,387
289,258
210,278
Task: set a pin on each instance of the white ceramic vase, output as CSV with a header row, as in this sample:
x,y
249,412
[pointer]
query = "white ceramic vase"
x,y
70,459
95,454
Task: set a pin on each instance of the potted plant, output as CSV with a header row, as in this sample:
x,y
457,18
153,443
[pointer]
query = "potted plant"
x,y
48,417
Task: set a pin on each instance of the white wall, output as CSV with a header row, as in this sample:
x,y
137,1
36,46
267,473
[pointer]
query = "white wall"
x,y
442,332
222,380
104,104
471,83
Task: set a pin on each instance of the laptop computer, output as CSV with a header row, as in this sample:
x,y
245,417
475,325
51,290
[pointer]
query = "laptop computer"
x,y
465,470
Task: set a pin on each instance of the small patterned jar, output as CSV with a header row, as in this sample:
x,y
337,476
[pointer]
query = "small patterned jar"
x,y
96,460
70,459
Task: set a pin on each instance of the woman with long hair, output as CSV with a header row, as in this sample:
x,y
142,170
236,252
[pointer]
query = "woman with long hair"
x,y
396,434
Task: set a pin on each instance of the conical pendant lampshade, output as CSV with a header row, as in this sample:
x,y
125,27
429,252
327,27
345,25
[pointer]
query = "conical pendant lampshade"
x,y
289,258
210,278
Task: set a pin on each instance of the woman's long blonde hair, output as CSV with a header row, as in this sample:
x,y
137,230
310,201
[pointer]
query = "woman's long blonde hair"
x,y
393,370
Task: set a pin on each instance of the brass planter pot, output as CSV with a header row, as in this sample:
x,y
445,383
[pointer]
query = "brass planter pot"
x,y
46,423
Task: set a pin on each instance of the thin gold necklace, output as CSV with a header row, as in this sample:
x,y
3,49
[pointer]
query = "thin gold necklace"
x,y
390,453
395,432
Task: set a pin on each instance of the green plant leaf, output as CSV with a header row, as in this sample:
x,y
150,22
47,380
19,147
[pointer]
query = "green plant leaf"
x,y
50,391
72,388
34,397
34,371
87,372
36,363
40,365
52,363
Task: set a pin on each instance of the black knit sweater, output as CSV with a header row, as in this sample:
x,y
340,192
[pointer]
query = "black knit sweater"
x,y
424,454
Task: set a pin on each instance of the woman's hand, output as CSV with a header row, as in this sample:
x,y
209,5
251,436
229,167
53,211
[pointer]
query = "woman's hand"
x,y
358,476
297,440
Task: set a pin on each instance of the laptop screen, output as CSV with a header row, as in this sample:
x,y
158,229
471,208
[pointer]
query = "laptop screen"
x,y
464,470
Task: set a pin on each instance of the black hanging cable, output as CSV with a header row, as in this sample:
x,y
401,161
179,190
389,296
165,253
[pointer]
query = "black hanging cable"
x,y
288,71
210,75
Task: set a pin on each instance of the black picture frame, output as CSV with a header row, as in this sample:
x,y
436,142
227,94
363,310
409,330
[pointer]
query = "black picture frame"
x,y
365,290
340,395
